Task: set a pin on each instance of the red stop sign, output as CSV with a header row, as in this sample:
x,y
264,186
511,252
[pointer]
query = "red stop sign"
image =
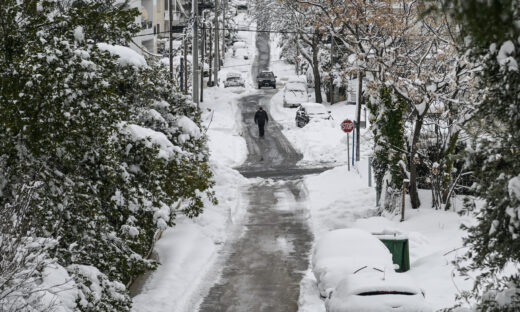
x,y
347,126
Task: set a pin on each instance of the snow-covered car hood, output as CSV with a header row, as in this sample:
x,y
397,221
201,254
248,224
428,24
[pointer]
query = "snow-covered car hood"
x,y
371,290
394,303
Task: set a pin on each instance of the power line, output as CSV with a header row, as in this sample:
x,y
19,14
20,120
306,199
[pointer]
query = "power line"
x,y
235,29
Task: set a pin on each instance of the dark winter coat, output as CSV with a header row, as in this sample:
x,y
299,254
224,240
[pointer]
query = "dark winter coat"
x,y
261,117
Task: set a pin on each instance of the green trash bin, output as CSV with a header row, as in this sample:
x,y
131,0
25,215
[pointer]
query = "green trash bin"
x,y
398,246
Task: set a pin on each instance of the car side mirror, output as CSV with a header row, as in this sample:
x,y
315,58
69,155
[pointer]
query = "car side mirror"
x,y
275,76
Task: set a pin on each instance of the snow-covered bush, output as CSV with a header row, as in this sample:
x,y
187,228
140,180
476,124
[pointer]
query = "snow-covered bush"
x,y
114,148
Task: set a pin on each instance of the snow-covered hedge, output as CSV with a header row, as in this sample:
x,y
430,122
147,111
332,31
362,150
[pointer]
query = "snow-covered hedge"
x,y
116,152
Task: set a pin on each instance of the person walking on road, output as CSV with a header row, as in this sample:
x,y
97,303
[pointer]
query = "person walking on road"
x,y
261,119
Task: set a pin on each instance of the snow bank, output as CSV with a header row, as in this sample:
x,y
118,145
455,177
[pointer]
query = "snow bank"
x,y
126,55
61,291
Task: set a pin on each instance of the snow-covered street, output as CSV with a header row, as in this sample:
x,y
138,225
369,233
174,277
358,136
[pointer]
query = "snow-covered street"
x,y
252,251
259,156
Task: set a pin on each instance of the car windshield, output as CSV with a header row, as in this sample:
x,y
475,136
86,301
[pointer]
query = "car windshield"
x,y
233,79
266,74
296,91
385,292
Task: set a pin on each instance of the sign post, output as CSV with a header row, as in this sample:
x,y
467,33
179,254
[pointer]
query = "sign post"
x,y
347,126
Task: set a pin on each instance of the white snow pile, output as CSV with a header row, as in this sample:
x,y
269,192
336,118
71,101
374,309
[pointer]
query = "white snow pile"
x,y
342,252
504,57
127,56
151,138
189,128
78,34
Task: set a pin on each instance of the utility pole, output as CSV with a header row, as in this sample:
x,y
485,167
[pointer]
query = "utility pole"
x,y
358,111
224,7
202,52
331,67
171,36
210,56
185,63
216,59
195,52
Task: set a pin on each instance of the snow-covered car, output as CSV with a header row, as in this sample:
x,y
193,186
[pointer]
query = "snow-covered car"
x,y
234,80
342,252
239,45
294,93
241,53
308,111
374,290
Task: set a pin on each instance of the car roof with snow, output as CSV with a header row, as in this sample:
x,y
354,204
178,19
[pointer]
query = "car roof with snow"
x,y
233,75
351,243
295,86
314,108
297,80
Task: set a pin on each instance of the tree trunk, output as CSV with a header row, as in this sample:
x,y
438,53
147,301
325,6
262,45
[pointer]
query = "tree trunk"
x,y
448,175
414,196
316,69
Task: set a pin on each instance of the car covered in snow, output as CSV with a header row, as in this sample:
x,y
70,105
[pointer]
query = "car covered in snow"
x,y
308,111
234,80
295,93
354,272
342,252
241,53
373,290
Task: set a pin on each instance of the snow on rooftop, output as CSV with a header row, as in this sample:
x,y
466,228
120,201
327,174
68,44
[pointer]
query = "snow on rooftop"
x,y
126,55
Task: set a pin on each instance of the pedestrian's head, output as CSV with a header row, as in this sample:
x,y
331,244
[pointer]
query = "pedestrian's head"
x,y
260,108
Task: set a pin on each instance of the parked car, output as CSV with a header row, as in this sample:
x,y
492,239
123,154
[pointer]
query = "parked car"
x,y
234,80
241,53
266,79
308,111
295,93
342,252
374,290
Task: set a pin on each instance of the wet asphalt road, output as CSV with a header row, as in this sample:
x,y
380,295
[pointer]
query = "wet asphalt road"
x,y
264,266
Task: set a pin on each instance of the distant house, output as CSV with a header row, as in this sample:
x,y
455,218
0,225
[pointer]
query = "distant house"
x,y
155,21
